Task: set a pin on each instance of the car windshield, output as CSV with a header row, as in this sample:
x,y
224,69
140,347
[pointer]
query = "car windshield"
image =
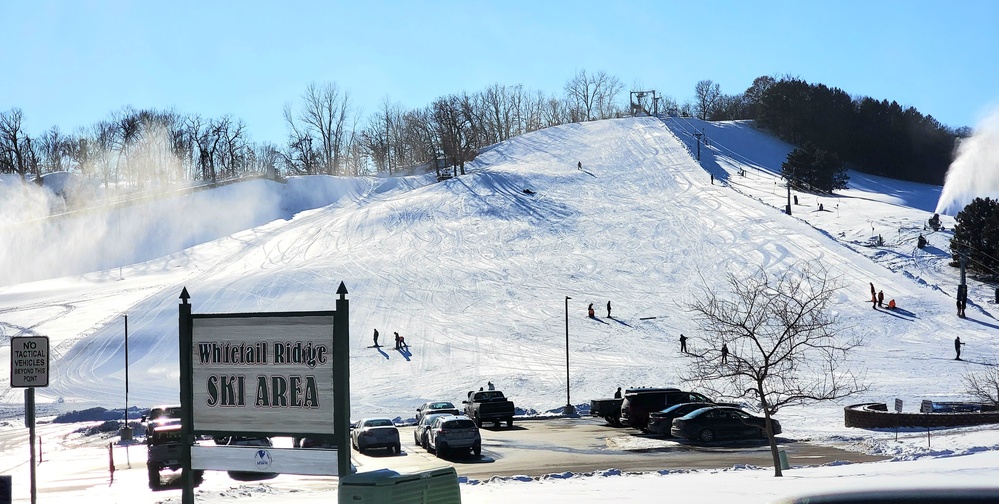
x,y
459,424
378,422
429,419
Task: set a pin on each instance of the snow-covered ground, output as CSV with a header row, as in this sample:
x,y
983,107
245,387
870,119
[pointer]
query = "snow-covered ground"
x,y
474,272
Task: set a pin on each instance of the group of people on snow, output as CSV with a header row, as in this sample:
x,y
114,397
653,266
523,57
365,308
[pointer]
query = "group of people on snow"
x,y
400,342
592,314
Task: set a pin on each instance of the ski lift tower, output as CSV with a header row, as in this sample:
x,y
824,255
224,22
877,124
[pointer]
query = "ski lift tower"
x,y
639,104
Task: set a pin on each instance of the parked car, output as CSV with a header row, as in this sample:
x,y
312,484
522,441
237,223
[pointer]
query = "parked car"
x,y
163,451
436,407
421,431
721,422
489,406
639,402
259,441
660,422
609,409
375,433
451,433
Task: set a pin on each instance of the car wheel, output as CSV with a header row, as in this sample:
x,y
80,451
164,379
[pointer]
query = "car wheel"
x,y
478,422
154,476
706,435
398,449
509,422
439,449
477,449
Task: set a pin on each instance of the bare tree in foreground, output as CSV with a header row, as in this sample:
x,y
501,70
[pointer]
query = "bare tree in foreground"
x,y
984,385
784,344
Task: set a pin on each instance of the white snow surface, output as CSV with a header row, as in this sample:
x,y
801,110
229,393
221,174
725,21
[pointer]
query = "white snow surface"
x,y
474,273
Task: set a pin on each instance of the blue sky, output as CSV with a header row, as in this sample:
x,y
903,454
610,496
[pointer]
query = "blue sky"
x,y
71,63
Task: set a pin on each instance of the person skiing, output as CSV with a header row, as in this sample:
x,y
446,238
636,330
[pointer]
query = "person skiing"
x,y
724,352
617,395
589,311
881,299
957,347
376,336
873,292
608,309
683,343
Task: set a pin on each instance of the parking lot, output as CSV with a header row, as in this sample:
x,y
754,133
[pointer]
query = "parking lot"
x,y
538,447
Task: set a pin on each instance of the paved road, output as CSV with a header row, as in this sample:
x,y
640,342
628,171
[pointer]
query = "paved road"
x,y
538,447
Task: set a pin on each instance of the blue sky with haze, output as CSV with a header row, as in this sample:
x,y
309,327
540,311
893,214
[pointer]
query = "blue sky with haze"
x,y
71,63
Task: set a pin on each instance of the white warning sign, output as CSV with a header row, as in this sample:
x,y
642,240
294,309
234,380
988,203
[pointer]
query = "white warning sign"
x,y
29,361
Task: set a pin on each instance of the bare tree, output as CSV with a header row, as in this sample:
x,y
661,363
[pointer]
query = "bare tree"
x,y
984,385
455,125
706,94
321,126
592,96
14,143
782,340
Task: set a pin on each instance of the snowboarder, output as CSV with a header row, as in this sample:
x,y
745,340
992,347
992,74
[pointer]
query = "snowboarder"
x,y
376,337
881,299
579,165
589,311
724,352
490,386
608,309
957,347
617,395
683,343
921,242
891,304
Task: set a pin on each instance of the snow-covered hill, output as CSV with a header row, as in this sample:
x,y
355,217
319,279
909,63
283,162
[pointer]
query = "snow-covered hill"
x,y
474,271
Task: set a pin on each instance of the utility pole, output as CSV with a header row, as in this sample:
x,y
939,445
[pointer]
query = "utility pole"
x,y
789,196
569,408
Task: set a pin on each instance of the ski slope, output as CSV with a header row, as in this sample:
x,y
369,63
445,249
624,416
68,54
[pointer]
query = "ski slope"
x,y
474,272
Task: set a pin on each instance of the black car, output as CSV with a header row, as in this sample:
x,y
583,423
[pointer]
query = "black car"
x,y
639,402
660,422
721,422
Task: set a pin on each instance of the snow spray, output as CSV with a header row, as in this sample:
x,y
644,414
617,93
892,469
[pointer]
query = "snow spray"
x,y
975,171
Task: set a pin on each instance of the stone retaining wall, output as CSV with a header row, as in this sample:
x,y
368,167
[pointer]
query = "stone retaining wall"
x,y
876,416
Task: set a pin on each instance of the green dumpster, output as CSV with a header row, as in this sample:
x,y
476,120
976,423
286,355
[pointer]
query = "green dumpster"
x,y
436,486
782,456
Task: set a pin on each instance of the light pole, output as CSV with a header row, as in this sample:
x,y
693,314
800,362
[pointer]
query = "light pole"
x,y
569,409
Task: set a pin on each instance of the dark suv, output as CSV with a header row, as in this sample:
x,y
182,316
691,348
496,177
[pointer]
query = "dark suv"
x,y
163,443
639,402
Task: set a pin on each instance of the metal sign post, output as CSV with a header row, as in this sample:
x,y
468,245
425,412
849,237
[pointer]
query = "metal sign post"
x,y
29,368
